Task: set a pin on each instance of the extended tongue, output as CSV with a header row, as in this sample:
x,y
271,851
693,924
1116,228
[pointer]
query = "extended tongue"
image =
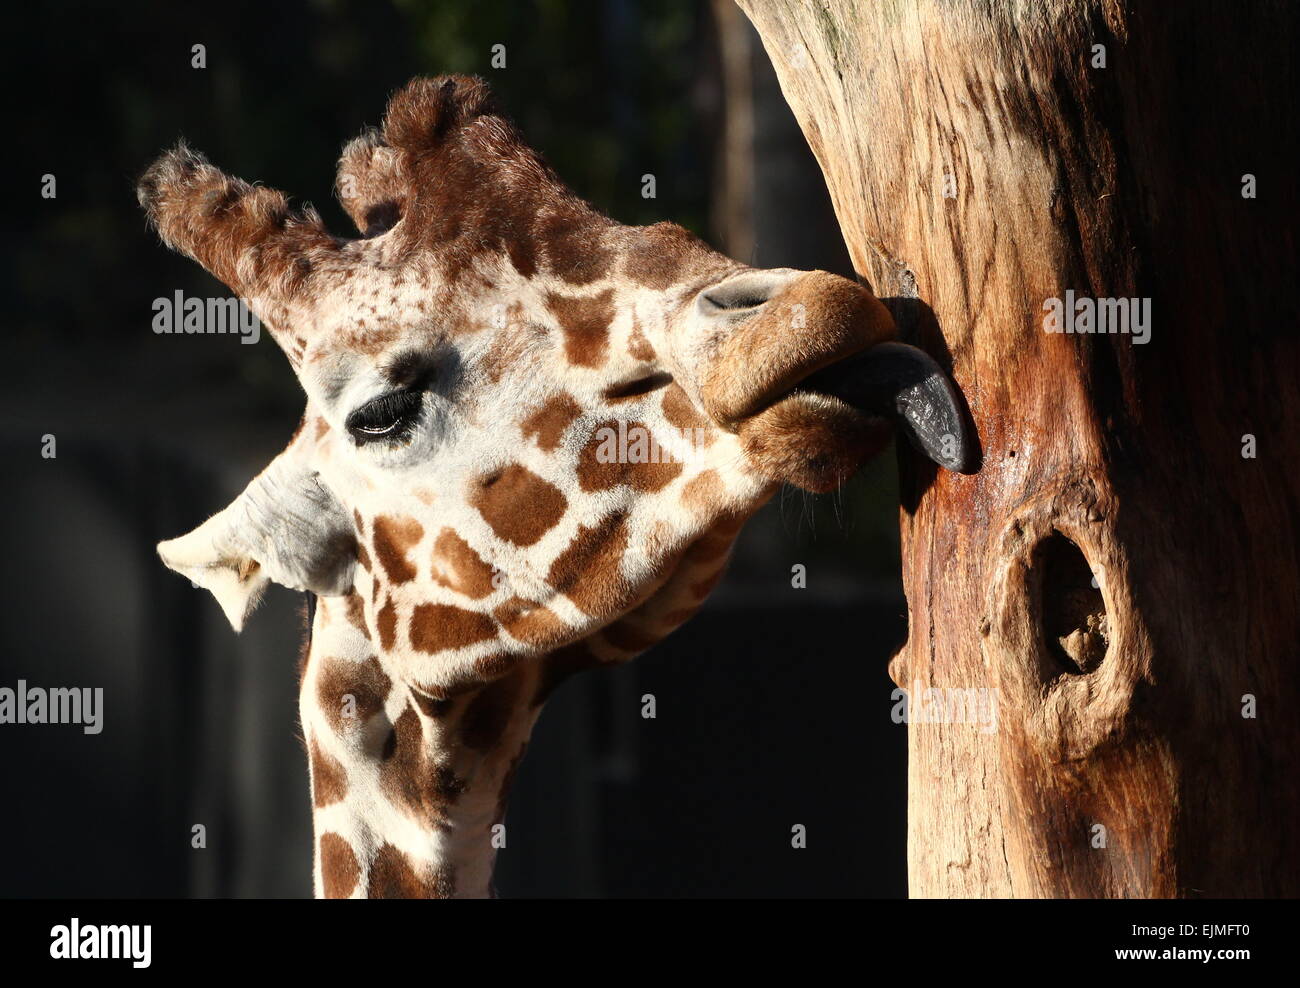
x,y
904,384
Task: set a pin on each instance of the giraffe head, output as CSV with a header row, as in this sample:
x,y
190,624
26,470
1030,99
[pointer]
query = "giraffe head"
x,y
527,426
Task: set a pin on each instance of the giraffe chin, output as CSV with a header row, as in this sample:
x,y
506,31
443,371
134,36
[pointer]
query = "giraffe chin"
x,y
811,440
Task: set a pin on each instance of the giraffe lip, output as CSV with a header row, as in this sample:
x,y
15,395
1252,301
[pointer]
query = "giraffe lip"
x,y
850,381
821,377
811,437
838,378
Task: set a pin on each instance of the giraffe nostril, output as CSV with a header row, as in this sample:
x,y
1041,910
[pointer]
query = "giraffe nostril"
x,y
735,302
741,294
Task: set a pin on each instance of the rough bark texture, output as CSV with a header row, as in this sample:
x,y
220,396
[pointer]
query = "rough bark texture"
x,y
1122,706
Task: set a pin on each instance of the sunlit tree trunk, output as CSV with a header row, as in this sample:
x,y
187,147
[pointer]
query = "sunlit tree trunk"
x,y
1121,573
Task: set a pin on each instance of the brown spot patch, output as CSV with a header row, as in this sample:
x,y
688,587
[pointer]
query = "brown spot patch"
x,y
705,587
507,348
329,782
458,567
489,714
523,255
546,425
703,494
432,706
356,611
573,248
589,570
709,548
392,877
585,322
665,254
682,415
494,665
528,621
339,870
404,737
674,618
507,782
410,777
628,637
624,454
393,538
435,690
386,623
445,786
365,682
638,347
370,341
729,524
435,627
520,506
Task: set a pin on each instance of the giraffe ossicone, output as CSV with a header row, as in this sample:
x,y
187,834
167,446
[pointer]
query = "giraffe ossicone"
x,y
446,497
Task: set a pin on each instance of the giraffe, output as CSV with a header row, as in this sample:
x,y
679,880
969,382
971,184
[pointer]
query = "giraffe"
x,y
531,436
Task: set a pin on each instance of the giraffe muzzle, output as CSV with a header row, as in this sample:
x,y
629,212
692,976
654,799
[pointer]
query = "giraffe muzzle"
x,y
812,381
789,325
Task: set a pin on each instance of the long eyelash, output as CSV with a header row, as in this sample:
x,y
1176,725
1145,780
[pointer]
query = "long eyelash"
x,y
395,413
384,409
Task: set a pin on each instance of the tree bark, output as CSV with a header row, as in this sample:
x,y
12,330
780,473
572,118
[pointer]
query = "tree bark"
x,y
1148,728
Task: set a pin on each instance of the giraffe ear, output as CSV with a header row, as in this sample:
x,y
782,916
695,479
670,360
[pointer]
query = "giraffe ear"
x,y
284,528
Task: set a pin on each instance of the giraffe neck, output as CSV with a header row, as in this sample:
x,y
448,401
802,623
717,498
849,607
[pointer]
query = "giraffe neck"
x,y
409,792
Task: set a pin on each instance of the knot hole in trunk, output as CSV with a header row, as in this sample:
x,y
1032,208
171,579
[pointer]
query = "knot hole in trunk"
x,y
1073,611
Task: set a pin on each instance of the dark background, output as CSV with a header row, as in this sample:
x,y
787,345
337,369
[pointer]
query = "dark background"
x,y
773,704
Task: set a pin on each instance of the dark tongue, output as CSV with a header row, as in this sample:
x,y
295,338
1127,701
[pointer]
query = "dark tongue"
x,y
902,383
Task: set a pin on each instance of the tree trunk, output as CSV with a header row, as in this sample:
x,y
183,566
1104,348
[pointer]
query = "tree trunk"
x,y
1123,567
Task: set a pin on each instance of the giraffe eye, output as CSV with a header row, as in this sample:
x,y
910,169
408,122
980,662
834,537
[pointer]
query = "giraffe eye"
x,y
390,416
